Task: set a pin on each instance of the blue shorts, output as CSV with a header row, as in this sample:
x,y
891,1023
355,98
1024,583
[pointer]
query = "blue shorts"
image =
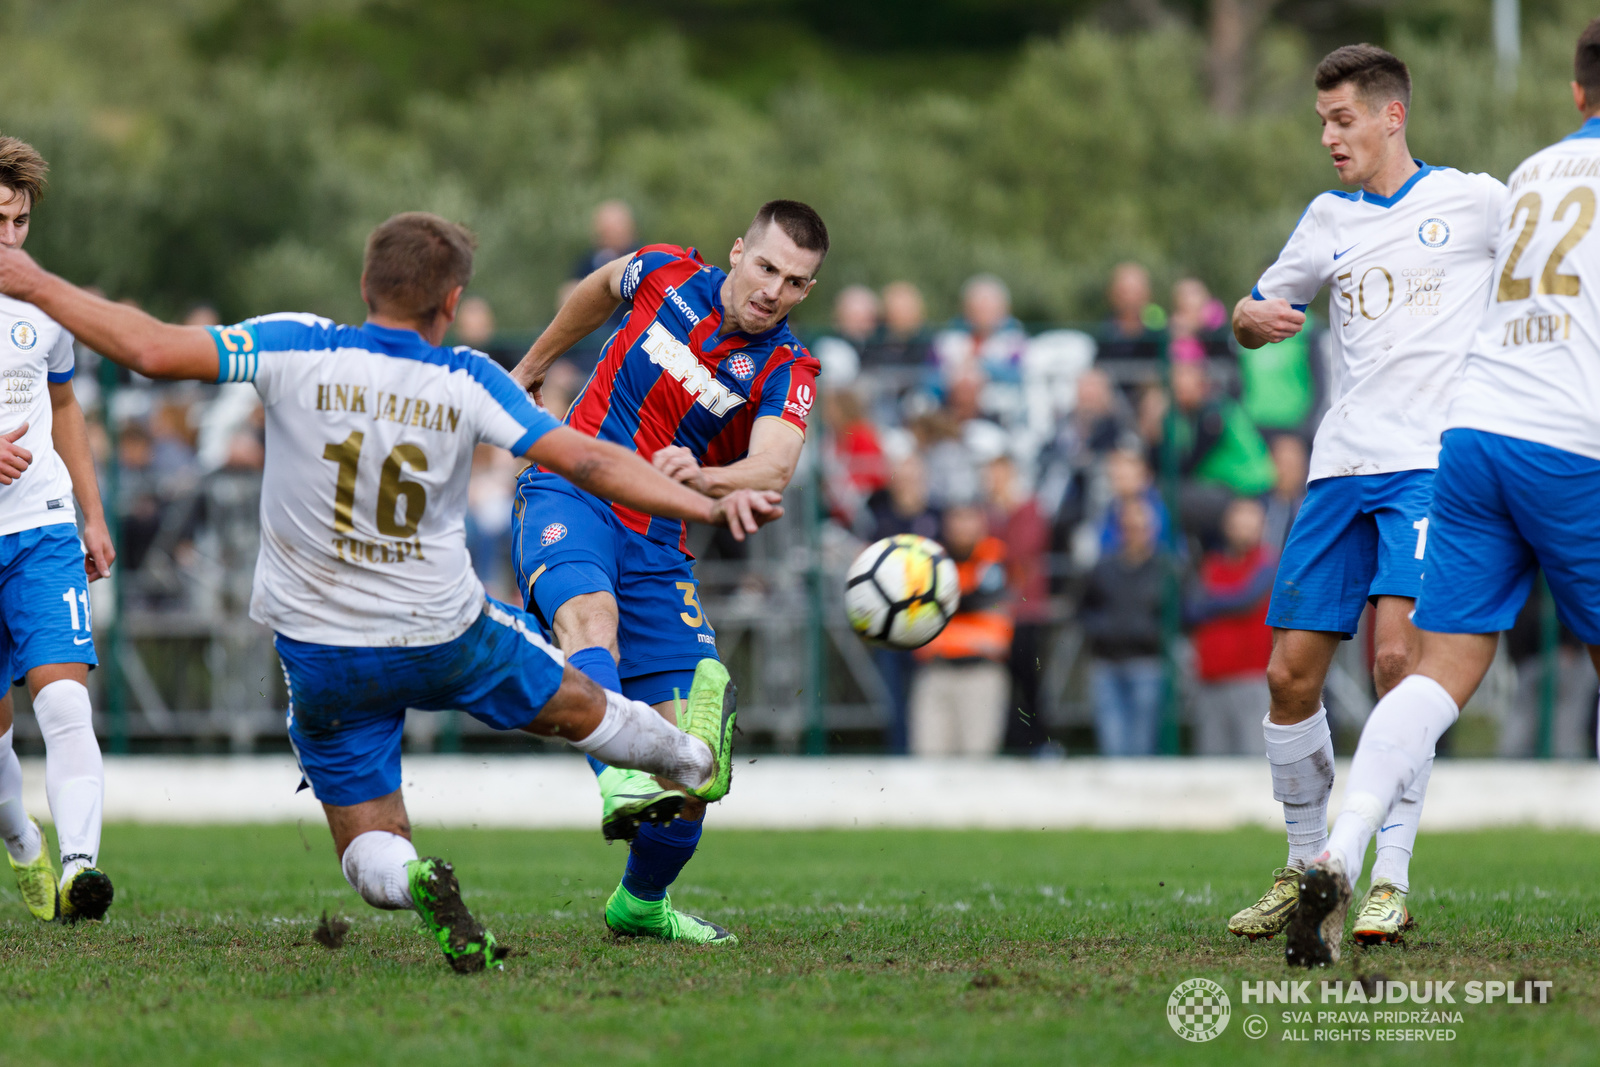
x,y
1356,538
347,706
44,600
567,542
1502,507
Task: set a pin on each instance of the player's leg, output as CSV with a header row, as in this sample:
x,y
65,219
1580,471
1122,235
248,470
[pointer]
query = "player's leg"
x,y
1317,600
24,840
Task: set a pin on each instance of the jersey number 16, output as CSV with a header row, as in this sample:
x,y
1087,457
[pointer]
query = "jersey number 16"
x,y
392,489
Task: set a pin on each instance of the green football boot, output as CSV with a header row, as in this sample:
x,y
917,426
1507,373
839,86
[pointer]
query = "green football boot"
x,y
710,711
86,895
436,895
628,916
630,799
1382,916
1269,916
36,881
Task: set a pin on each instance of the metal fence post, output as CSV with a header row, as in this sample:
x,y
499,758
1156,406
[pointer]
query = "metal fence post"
x,y
1170,589
1549,666
816,634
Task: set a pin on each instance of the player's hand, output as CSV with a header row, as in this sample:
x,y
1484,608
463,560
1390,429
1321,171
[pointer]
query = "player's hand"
x,y
679,464
14,459
19,274
1266,321
99,553
747,510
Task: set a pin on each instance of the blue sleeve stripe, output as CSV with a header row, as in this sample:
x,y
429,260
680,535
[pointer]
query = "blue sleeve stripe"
x,y
1255,293
527,440
1299,307
58,377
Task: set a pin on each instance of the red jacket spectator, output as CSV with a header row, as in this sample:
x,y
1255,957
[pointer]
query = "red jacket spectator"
x,y
1233,639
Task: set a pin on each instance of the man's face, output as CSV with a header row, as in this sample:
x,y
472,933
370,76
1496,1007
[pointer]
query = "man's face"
x,y
15,214
770,274
1355,132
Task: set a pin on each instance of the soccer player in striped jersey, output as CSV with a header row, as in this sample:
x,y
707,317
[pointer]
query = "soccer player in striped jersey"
x,y
363,572
1406,252
705,380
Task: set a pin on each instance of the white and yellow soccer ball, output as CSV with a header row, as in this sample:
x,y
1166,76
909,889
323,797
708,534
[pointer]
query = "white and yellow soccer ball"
x,y
901,591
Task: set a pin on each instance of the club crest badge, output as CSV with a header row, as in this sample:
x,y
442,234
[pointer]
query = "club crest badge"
x,y
742,367
552,533
24,334
1434,233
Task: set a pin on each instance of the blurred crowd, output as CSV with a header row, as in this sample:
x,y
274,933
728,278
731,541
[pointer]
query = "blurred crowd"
x,y
1097,496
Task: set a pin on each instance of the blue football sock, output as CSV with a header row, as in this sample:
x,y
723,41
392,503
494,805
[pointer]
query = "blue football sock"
x,y
657,855
597,663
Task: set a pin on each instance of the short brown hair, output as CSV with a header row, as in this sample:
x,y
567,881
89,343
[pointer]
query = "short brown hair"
x,y
803,225
1377,75
1586,64
22,168
413,261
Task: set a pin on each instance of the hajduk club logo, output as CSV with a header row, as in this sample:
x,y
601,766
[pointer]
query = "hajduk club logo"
x,y
552,533
742,367
1198,1010
24,334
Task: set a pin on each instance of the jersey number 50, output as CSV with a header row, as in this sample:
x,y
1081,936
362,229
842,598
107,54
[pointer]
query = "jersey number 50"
x,y
392,489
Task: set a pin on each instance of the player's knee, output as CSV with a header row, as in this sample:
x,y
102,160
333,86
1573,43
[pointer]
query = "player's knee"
x,y
587,621
1291,685
1390,665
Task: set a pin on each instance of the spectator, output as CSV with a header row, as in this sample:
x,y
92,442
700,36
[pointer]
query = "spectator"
x,y
986,337
1015,518
476,328
1220,452
202,315
1279,388
855,320
1098,424
952,470
904,340
1290,460
1128,478
1134,329
856,464
488,520
1198,328
1121,614
1572,721
139,504
901,508
958,701
615,236
1232,642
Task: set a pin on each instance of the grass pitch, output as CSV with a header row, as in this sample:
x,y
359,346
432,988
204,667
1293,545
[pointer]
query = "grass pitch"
x,y
858,947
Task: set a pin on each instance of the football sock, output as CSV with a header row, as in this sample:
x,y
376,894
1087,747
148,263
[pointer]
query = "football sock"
x,y
598,663
657,854
22,839
1301,757
74,776
1398,834
375,866
633,736
1396,744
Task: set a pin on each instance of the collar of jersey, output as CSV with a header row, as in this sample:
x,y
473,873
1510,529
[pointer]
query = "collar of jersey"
x,y
1590,128
1399,194
394,338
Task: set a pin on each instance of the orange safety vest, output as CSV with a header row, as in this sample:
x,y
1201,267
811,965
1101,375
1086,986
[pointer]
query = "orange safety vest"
x,y
982,634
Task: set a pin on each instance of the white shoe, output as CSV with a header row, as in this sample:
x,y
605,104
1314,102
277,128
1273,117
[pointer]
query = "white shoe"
x,y
1317,928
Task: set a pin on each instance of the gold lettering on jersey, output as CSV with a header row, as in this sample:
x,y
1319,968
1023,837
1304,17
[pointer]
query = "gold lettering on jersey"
x,y
19,387
1523,177
674,357
1424,290
388,407
351,550
1536,329
1576,167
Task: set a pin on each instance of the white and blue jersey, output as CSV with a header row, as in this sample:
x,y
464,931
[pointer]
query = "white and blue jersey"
x,y
1520,469
44,591
1408,278
363,570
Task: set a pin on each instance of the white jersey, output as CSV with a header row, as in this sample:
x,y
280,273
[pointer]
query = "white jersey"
x,y
33,351
1534,368
370,434
1409,275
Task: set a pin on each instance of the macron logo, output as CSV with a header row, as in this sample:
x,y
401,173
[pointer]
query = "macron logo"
x,y
674,357
682,305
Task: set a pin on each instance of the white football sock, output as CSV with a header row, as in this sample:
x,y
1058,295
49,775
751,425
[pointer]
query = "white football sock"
x,y
375,866
633,736
1301,755
1397,741
1398,834
22,839
74,776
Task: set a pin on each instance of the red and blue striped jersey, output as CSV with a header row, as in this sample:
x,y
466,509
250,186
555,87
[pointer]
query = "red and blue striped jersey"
x,y
667,377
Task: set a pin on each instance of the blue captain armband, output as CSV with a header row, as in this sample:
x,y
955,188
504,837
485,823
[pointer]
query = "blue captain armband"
x,y
238,352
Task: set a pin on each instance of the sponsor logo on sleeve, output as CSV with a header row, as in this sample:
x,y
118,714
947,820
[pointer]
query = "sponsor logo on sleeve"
x,y
801,404
630,278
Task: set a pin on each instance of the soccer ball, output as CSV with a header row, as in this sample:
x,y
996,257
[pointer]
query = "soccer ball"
x,y
901,591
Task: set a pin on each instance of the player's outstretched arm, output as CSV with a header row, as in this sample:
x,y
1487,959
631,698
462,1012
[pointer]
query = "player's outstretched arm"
x,y
774,453
1265,322
70,436
122,334
613,473
584,312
